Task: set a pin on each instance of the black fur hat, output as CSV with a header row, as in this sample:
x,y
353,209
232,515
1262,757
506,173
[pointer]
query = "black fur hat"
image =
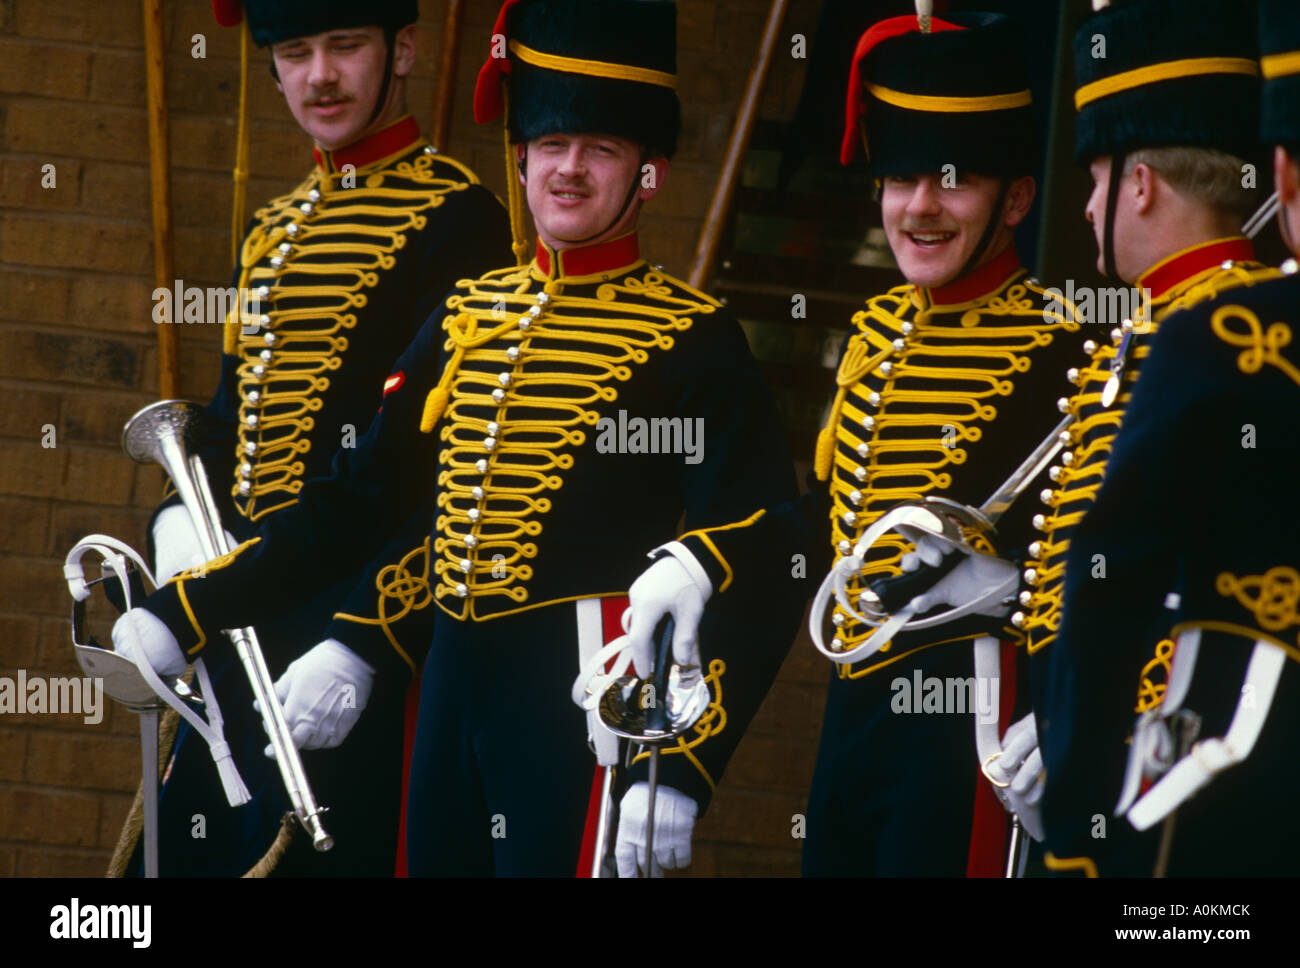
x,y
585,67
958,95
1166,73
1279,48
273,21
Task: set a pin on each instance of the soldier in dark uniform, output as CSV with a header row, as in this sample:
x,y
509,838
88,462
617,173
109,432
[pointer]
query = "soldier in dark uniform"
x,y
941,384
504,422
1166,120
344,269
1197,614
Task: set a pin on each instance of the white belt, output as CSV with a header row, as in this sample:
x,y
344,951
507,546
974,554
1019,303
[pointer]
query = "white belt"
x,y
592,656
1210,756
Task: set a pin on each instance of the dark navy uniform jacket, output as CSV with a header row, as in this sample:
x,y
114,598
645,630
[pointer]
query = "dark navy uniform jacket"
x,y
553,422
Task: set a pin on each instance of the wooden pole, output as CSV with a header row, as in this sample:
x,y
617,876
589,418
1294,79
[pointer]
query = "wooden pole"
x,y
706,249
446,93
159,168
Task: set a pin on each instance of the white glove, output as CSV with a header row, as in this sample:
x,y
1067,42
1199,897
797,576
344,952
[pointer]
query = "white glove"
x,y
674,821
1021,762
323,692
142,636
668,587
969,580
176,543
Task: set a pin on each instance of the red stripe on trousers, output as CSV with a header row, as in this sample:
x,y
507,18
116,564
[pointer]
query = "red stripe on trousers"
x,y
987,855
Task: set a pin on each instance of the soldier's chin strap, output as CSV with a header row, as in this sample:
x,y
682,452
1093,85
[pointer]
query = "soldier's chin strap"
x,y
1108,217
390,41
995,219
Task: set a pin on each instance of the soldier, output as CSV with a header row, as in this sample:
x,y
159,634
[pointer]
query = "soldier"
x,y
1197,610
510,421
344,268
941,382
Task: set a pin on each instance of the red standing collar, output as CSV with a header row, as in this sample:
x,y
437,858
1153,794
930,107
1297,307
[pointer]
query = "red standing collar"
x,y
374,146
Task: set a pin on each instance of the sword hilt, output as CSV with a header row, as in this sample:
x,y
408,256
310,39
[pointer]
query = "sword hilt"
x,y
656,718
894,593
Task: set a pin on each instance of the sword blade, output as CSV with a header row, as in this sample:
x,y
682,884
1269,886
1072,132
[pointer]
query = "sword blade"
x,y
1030,468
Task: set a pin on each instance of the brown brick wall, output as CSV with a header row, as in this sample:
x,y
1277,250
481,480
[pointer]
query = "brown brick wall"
x,y
78,352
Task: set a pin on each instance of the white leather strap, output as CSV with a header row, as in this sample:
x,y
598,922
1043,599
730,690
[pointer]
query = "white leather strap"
x,y
592,657
213,728
1212,756
988,668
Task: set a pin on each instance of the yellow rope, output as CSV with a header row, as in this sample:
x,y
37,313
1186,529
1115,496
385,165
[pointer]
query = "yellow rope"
x,y
237,217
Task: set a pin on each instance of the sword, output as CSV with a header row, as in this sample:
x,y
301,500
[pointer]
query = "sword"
x,y
657,731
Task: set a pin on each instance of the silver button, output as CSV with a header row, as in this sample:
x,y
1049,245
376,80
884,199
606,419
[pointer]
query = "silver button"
x,y
850,518
251,420
869,422
270,339
524,322
907,329
512,353
1063,404
480,465
1031,576
844,547
478,493
264,320
534,311
493,428
863,450
245,469
475,514
873,398
291,229
900,343
1045,495
259,371
1072,374
305,208
1226,264
254,396
498,395
1026,598
1090,346
1040,522
245,487
855,497
837,645
471,541
276,262
1054,473
285,248
1018,620
1116,334
1064,438
1035,549
263,292
265,356
543,298
466,565
489,443
860,473
837,620
314,195
504,379
886,368
462,591
250,448
1067,457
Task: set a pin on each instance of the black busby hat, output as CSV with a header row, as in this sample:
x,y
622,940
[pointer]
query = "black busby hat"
x,y
1167,73
273,21
957,94
1279,48
584,67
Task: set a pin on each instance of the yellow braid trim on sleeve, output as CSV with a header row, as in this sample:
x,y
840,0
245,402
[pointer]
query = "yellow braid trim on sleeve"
x,y
405,583
1085,864
713,722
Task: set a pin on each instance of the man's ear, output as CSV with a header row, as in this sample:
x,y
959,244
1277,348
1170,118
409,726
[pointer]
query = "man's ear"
x,y
654,172
1020,199
521,162
1286,175
1142,186
404,51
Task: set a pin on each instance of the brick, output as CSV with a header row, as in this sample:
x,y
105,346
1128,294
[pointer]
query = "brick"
x,y
203,255
118,190
98,418
113,303
118,77
68,357
57,72
106,24
188,19
32,470
18,634
8,25
13,746
275,148
71,524
77,129
113,812
695,23
23,526
98,477
90,762
44,862
36,582
33,297
22,184
26,411
55,655
63,242
792,708
771,763
203,199
64,819
745,817
8,855
734,861
148,487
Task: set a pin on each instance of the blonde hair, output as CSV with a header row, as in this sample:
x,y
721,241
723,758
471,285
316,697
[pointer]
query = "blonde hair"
x,y
1206,175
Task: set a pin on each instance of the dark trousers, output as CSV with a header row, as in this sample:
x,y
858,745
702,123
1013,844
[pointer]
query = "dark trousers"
x,y
500,770
893,793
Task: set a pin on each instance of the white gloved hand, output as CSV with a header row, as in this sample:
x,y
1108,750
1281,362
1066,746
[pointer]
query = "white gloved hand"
x,y
969,580
667,587
674,821
323,692
1021,762
142,636
176,543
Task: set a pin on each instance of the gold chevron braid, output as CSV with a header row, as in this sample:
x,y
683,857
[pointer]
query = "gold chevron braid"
x,y
369,222
1259,346
1271,597
1001,334
1150,692
601,349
